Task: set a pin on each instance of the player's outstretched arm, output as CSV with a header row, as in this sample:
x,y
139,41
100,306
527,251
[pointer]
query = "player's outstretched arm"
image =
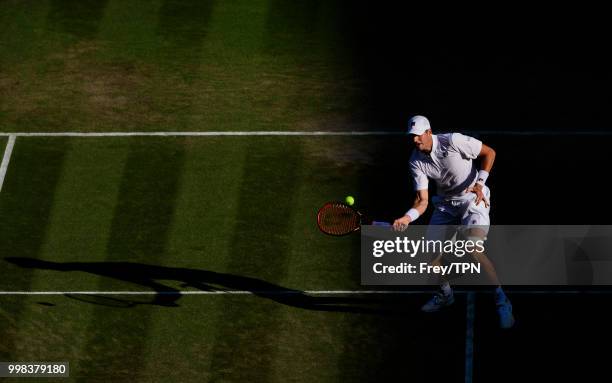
x,y
418,208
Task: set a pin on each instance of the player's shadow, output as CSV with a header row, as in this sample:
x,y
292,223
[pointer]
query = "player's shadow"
x,y
149,275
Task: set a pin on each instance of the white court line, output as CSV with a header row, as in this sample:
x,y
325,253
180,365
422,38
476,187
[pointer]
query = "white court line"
x,y
297,133
288,292
216,292
7,158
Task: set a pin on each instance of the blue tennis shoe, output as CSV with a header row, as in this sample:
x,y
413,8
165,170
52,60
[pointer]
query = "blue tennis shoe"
x,y
438,302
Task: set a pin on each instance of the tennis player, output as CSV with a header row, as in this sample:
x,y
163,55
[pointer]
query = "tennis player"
x,y
463,198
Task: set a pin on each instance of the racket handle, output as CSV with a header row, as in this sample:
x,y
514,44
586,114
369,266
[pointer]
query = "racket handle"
x,y
380,223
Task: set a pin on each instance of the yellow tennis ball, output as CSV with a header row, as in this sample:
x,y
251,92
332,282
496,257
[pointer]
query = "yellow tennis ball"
x,y
349,200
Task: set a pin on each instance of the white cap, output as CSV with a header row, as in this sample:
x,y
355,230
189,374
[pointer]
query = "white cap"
x,y
418,125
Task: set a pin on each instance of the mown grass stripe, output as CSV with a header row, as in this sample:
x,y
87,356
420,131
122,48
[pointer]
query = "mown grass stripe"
x,y
142,219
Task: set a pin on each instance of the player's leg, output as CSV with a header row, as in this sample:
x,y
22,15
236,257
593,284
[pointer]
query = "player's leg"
x,y
438,229
479,234
475,224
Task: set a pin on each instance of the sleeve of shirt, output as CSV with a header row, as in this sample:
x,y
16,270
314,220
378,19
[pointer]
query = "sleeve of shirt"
x,y
420,179
467,146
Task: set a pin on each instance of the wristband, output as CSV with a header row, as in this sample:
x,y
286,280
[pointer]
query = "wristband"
x,y
482,177
413,214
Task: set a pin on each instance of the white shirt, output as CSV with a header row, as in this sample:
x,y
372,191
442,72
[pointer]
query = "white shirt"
x,y
450,164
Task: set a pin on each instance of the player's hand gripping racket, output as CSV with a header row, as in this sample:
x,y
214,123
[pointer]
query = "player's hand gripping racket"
x,y
337,218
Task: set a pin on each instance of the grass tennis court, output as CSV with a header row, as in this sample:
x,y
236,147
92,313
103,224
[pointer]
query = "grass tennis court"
x,y
196,215
238,208
184,66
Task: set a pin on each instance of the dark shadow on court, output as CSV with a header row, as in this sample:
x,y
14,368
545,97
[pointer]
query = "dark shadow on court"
x,y
416,62
558,158
204,280
558,337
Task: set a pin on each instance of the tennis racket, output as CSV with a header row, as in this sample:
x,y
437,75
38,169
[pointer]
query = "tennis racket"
x,y
338,219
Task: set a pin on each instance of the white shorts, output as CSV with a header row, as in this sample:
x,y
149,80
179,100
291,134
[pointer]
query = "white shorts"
x,y
458,211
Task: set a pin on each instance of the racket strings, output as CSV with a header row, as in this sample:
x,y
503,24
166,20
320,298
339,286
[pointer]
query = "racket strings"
x,y
338,219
